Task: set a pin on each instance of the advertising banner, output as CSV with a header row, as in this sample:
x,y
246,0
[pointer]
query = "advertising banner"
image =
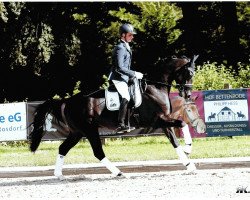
x,y
226,112
13,121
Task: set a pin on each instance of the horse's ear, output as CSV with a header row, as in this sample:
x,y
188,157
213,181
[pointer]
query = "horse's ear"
x,y
195,58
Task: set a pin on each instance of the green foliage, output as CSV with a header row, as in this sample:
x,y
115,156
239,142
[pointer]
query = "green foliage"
x,y
159,18
3,12
77,88
156,26
105,85
243,79
243,13
73,49
212,76
46,43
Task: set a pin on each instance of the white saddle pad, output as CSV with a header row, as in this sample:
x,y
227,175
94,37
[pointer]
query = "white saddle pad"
x,y
113,101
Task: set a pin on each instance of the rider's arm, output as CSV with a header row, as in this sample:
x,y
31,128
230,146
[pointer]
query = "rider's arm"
x,y
123,62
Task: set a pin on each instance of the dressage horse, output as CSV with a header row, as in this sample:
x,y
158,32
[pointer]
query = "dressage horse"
x,y
83,115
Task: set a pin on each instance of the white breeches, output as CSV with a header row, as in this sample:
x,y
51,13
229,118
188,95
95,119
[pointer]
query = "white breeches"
x,y
122,89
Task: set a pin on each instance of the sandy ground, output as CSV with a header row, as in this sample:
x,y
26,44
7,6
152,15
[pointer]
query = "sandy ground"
x,y
202,184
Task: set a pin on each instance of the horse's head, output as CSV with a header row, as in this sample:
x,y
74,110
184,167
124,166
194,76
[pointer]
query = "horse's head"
x,y
184,69
191,116
188,111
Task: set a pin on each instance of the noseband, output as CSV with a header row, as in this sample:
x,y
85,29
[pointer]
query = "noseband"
x,y
192,121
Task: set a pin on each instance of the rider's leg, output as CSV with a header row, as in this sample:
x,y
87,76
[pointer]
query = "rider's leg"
x,y
122,89
122,112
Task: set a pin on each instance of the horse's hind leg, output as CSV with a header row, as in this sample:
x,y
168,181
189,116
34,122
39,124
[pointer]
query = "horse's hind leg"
x,y
95,142
64,148
181,154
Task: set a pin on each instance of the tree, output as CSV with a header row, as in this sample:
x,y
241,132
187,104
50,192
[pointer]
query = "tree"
x,y
231,34
156,26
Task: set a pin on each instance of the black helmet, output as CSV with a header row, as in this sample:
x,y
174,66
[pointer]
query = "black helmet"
x,y
127,28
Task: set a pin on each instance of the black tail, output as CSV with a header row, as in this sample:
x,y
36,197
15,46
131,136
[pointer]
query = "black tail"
x,y
41,113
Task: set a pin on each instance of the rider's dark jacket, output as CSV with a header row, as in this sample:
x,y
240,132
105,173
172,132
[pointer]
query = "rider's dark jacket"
x,y
121,60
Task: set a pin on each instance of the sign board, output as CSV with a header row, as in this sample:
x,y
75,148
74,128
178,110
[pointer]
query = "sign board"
x,y
226,112
13,121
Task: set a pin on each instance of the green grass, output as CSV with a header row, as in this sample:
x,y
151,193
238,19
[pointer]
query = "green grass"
x,y
129,149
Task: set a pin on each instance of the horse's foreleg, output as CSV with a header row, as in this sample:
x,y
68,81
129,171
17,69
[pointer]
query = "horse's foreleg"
x,y
96,145
187,139
64,148
111,167
59,166
181,154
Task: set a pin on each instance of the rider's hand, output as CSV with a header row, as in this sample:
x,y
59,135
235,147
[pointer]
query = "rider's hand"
x,y
138,75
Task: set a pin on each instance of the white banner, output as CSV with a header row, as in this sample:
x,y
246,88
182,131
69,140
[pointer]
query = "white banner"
x,y
13,121
225,111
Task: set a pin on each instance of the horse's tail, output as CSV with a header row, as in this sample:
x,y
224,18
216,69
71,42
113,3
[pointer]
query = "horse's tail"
x,y
37,133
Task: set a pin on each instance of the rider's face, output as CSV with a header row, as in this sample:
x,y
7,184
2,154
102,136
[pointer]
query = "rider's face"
x,y
128,37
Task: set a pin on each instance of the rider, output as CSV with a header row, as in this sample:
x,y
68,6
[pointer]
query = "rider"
x,y
121,72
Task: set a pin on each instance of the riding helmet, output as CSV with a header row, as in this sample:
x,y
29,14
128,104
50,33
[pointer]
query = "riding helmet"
x,y
127,28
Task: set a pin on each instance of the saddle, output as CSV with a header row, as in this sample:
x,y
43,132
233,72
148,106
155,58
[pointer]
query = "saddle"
x,y
112,98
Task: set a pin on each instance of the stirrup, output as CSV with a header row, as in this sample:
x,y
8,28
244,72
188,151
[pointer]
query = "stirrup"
x,y
131,128
123,129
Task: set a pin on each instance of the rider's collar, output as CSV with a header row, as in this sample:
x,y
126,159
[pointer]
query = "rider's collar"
x,y
127,44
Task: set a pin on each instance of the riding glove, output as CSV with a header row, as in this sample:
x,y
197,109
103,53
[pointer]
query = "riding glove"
x,y
138,75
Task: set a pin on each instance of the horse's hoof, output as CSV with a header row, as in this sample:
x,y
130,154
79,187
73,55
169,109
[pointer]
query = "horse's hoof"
x,y
191,167
61,178
120,175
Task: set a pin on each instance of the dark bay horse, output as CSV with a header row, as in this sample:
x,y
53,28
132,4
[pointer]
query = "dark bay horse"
x,y
84,115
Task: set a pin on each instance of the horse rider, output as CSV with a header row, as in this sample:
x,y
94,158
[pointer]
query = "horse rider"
x,y
121,72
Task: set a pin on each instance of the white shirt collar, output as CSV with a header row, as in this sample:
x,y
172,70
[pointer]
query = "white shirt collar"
x,y
127,44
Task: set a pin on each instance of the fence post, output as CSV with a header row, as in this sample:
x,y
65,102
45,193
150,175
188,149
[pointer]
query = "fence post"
x,y
227,86
103,141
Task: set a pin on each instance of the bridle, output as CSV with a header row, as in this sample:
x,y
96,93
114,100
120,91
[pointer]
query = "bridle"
x,y
192,121
186,72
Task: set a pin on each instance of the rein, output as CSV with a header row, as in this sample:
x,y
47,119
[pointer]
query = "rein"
x,y
168,85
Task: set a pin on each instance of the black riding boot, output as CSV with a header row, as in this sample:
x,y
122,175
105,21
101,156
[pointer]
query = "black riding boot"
x,y
122,116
